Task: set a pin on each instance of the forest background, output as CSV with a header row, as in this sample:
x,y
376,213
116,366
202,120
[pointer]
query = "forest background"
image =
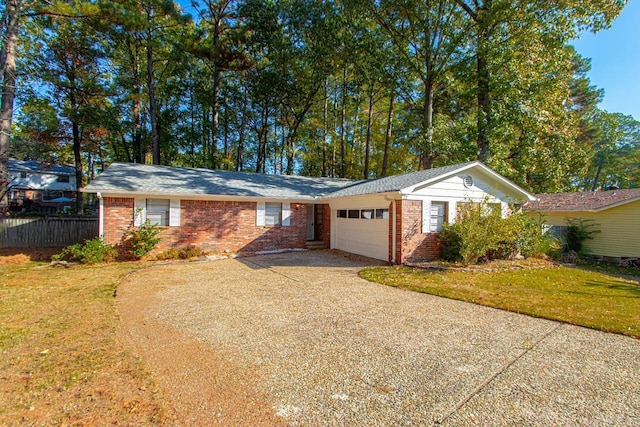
x,y
341,88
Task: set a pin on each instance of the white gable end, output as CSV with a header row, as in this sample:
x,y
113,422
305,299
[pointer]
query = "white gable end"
x,y
469,185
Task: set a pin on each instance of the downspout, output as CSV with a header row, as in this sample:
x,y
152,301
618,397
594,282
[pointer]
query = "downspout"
x,y
100,215
394,224
393,232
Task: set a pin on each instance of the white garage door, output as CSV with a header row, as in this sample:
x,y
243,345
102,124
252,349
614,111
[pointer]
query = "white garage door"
x,y
364,232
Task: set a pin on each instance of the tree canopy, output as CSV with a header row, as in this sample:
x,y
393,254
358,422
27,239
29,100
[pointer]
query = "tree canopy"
x,y
341,88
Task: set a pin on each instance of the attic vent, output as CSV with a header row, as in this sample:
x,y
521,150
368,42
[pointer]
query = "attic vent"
x,y
468,181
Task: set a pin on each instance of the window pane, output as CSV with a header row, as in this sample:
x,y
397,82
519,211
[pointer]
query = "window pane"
x,y
158,211
354,213
382,213
367,214
437,216
272,214
342,213
158,218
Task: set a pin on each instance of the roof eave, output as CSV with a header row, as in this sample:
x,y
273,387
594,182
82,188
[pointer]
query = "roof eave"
x,y
194,196
600,209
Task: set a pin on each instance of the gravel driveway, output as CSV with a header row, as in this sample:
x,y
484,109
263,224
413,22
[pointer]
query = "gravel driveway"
x,y
300,339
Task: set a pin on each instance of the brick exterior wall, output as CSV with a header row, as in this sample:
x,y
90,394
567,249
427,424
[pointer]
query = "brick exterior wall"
x,y
323,231
118,217
215,226
414,245
219,226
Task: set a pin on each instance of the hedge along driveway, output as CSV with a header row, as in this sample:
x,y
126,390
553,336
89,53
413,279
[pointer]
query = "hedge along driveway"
x,y
320,345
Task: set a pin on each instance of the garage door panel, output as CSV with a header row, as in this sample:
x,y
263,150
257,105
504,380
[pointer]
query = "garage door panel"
x,y
368,237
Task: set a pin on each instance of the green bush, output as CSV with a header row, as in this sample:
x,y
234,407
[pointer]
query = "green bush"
x,y
143,239
480,234
90,252
578,231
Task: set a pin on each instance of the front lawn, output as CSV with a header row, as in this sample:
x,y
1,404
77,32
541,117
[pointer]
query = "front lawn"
x,y
585,297
63,362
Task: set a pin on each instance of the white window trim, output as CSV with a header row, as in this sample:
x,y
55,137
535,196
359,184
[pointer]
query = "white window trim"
x,y
426,213
140,212
285,214
174,213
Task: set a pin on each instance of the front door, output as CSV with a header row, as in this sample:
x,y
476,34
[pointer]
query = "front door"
x,y
311,229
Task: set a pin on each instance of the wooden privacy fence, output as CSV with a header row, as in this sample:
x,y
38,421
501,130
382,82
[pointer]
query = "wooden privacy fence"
x,y
46,231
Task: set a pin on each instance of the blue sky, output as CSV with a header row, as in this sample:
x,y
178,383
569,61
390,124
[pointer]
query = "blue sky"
x,y
615,61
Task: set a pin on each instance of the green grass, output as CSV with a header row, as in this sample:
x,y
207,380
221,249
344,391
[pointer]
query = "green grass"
x,y
585,297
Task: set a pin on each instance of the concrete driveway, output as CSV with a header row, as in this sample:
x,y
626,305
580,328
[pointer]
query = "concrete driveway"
x,y
329,348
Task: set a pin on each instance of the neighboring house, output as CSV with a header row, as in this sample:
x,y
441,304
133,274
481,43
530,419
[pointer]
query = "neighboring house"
x,y
616,213
40,186
394,219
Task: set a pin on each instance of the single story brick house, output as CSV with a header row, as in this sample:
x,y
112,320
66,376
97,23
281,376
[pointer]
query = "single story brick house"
x,y
395,219
616,214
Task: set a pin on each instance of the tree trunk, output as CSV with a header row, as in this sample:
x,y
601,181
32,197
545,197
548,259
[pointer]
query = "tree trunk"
x,y
367,145
343,161
215,122
243,127
153,107
484,80
387,137
596,178
77,155
192,142
136,106
262,141
225,140
428,153
12,11
481,15
325,126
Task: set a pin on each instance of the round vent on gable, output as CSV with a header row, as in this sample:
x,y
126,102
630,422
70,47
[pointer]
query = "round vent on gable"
x,y
468,181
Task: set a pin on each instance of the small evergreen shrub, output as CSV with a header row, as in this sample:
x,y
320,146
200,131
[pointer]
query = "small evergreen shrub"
x,y
92,251
578,231
143,239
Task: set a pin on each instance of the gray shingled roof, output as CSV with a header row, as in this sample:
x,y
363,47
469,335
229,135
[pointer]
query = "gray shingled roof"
x,y
35,166
151,179
587,201
122,178
397,182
